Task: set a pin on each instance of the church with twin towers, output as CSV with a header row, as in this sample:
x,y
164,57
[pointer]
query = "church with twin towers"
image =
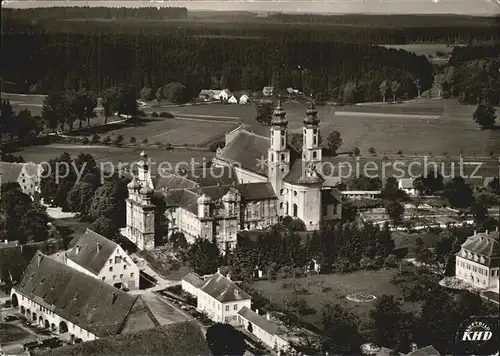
x,y
252,182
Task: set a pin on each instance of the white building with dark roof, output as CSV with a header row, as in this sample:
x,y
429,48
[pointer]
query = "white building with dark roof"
x,y
101,258
217,296
252,182
478,261
270,333
27,175
64,300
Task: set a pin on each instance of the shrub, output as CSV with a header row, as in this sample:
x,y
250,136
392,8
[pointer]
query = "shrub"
x,y
169,147
95,138
166,114
118,139
132,139
356,151
85,140
106,140
145,141
372,151
400,152
154,114
215,145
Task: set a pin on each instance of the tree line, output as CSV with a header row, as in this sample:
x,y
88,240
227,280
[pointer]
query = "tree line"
x,y
284,251
473,74
55,62
388,29
62,109
97,12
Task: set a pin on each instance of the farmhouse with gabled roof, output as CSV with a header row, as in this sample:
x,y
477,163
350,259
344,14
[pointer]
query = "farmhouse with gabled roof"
x,y
65,300
101,258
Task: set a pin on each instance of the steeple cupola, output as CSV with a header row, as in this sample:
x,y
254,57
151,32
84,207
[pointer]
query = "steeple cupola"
x,y
311,149
279,115
311,114
278,153
133,185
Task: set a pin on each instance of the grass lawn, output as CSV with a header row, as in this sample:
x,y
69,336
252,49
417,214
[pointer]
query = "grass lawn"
x,y
337,287
10,334
176,131
450,132
427,49
71,228
115,155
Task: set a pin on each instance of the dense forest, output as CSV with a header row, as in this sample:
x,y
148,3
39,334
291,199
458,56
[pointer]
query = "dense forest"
x,y
111,13
473,74
48,62
370,29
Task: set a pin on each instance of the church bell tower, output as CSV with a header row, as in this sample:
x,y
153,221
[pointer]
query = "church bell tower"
x,y
278,154
311,149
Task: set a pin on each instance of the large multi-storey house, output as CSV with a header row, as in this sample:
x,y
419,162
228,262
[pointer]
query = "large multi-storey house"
x,y
27,175
252,182
96,256
217,296
477,263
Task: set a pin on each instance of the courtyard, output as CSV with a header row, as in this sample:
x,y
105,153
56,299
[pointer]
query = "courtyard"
x,y
319,290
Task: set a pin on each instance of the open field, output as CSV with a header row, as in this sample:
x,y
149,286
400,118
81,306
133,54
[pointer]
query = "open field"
x,y
439,53
452,131
337,287
115,155
177,131
424,127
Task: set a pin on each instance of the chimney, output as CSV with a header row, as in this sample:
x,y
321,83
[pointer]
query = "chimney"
x,y
6,241
39,256
487,232
218,270
257,311
413,347
228,276
115,296
475,232
77,251
98,247
268,316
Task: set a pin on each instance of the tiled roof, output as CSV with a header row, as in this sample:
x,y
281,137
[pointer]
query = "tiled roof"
x,y
179,339
86,253
183,198
223,289
202,176
330,196
260,321
257,191
245,150
79,298
297,175
425,351
10,171
483,244
193,279
172,181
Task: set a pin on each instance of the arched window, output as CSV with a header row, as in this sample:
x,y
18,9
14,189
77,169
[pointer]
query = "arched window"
x,y
295,210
